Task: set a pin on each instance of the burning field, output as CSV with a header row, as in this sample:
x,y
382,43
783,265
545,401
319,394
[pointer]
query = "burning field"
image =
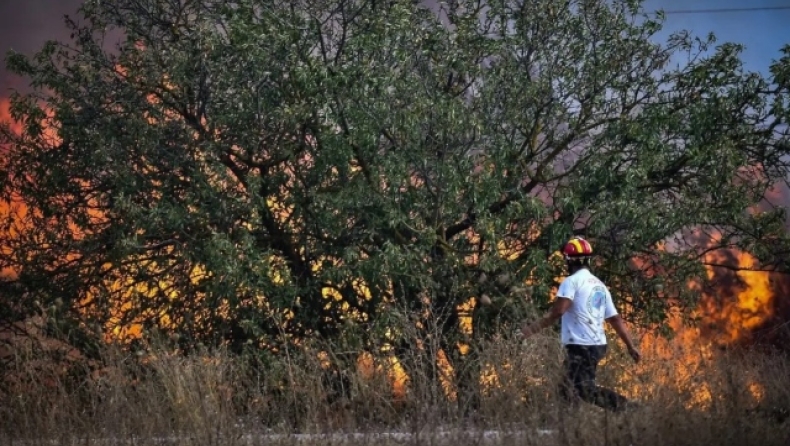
x,y
725,354
722,380
724,376
692,392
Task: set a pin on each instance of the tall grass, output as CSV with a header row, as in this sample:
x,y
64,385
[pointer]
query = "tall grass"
x,y
215,398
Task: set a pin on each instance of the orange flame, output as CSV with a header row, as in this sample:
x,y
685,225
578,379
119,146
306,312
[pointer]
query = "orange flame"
x,y
5,116
6,208
741,301
733,314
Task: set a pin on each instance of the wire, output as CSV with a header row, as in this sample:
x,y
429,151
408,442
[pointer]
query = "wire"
x,y
727,10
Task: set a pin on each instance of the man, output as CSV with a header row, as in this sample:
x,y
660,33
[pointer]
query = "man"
x,y
584,303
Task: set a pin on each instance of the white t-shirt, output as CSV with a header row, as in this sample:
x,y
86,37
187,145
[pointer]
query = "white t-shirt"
x,y
583,323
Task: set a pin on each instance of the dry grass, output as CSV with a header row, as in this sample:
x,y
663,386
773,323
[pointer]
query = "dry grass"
x,y
717,398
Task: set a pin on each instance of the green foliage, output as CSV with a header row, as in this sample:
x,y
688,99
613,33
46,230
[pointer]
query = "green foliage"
x,y
256,172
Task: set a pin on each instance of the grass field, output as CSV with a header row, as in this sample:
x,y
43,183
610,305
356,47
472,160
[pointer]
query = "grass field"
x,y
692,396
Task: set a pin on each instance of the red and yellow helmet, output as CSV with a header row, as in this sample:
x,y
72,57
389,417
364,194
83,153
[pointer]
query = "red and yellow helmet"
x,y
577,247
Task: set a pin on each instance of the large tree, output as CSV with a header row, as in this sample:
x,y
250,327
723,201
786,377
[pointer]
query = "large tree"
x,y
256,172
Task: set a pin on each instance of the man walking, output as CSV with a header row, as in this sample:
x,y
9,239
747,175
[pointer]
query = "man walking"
x,y
584,303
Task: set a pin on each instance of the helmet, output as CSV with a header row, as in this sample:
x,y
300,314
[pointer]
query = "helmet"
x,y
577,247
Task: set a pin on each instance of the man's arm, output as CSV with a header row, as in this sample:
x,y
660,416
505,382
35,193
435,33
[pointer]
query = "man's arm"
x,y
622,331
560,306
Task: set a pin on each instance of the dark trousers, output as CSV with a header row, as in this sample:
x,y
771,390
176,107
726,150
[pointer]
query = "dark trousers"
x,y
581,363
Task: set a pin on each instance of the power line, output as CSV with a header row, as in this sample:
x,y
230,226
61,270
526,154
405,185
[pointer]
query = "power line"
x,y
727,10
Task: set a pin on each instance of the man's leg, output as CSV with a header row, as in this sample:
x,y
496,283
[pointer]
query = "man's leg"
x,y
593,393
583,361
573,372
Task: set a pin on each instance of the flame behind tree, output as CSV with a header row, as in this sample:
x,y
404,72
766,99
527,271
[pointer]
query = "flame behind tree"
x,y
743,303
228,164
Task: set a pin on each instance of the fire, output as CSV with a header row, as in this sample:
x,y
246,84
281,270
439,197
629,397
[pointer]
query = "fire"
x,y
741,301
732,315
8,208
674,364
728,317
370,368
5,116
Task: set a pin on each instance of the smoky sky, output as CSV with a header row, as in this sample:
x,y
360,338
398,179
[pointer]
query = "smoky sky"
x,y
26,24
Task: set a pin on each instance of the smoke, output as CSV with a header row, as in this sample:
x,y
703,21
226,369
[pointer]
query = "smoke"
x,y
776,330
25,26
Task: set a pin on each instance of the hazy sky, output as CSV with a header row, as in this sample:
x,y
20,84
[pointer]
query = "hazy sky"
x,y
26,24
762,32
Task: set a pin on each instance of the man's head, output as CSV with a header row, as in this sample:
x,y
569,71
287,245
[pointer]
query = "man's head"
x,y
577,252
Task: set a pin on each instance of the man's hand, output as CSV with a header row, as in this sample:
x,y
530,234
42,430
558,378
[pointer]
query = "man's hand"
x,y
635,353
619,327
